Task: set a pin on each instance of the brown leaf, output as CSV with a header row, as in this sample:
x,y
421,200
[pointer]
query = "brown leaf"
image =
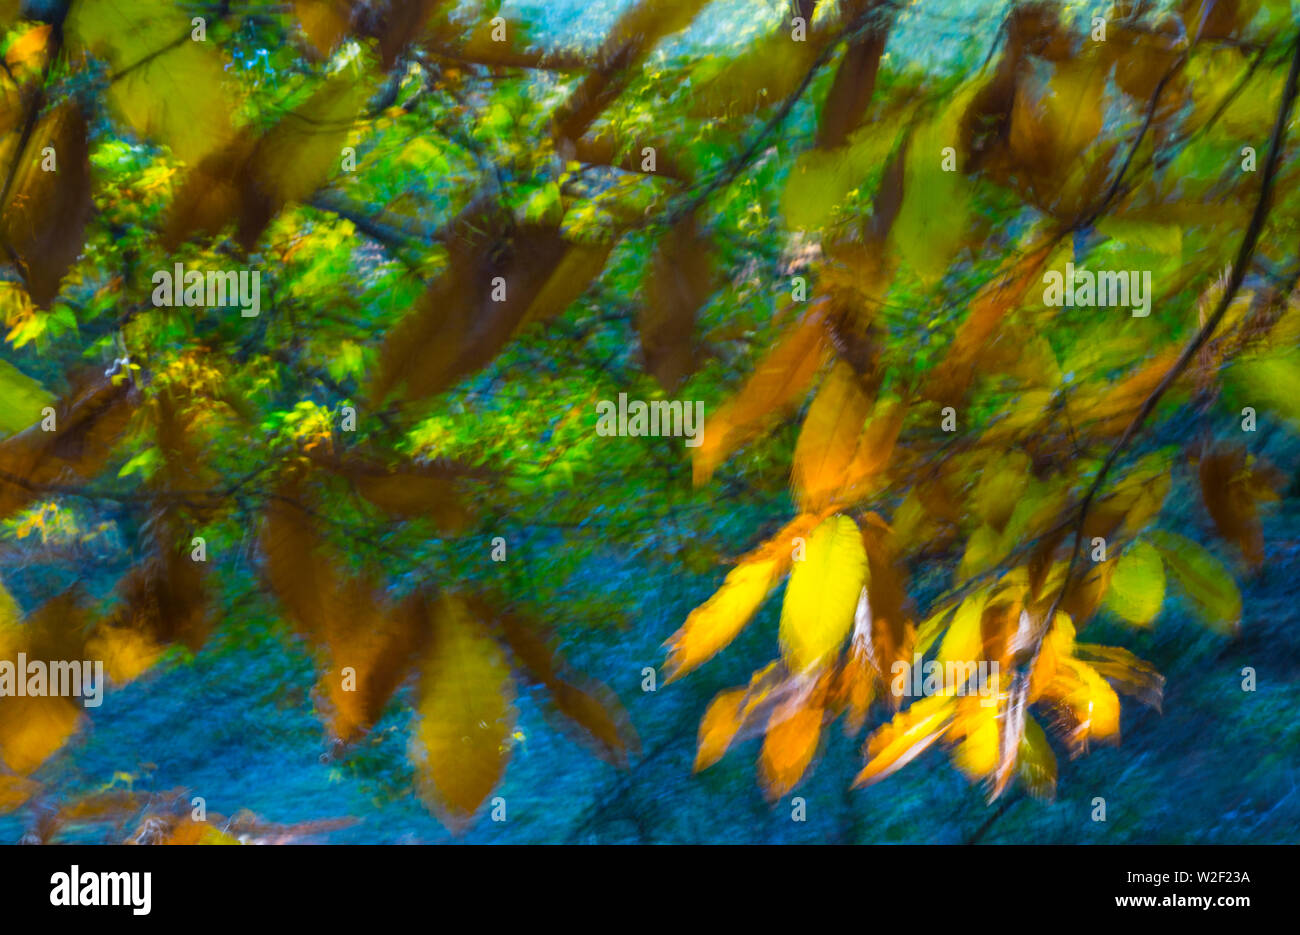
x,y
1217,19
407,490
252,178
1035,29
398,24
87,423
851,89
631,38
893,630
380,644
349,617
297,572
603,724
1232,490
469,313
44,219
1057,155
1143,57
163,594
681,281
325,22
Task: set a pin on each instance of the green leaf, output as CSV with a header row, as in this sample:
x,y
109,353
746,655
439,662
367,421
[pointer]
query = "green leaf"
x,y
1164,239
1271,381
21,399
822,180
167,87
933,218
1203,578
1137,589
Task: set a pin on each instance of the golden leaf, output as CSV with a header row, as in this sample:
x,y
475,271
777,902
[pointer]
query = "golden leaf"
x,y
461,745
715,623
791,740
778,382
911,732
823,594
828,439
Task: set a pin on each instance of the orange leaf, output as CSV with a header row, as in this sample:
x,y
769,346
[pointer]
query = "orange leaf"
x,y
778,382
722,719
950,380
715,623
828,439
791,740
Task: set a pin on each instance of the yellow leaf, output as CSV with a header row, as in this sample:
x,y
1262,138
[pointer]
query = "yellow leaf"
x,y
126,651
976,731
963,642
21,399
168,87
461,745
33,728
820,180
715,623
984,549
822,596
911,732
1125,671
1271,382
1086,705
1164,239
1036,766
300,152
932,220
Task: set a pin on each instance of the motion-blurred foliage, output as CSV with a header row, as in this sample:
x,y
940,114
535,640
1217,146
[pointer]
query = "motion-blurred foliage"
x,y
472,225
